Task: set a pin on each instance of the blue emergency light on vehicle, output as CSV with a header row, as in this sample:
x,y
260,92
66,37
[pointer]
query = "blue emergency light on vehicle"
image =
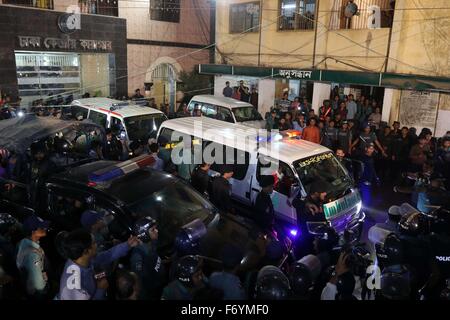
x,y
120,169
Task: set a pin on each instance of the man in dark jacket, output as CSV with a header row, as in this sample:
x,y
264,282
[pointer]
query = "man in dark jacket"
x,y
264,212
113,146
200,178
221,189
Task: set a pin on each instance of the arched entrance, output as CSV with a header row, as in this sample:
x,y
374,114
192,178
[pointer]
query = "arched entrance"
x,y
163,73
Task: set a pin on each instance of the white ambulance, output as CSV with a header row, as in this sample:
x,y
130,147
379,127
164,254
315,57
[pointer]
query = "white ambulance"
x,y
227,109
135,122
296,163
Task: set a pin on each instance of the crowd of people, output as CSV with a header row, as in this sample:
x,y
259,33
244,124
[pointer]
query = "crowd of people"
x,y
354,130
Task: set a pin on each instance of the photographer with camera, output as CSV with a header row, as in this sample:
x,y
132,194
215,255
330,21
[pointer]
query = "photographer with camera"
x,y
79,280
342,282
145,261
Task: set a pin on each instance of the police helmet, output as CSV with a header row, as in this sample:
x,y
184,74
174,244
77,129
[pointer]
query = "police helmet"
x,y
440,222
142,227
327,237
301,279
272,284
6,222
412,223
186,267
395,286
345,284
393,248
187,240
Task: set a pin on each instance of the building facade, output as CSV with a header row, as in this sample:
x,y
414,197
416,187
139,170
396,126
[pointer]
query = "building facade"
x,y
394,51
45,56
114,48
164,38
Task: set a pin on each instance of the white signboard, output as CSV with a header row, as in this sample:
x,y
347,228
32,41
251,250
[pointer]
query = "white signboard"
x,y
418,109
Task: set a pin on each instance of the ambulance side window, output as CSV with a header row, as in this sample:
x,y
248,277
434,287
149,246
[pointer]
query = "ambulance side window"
x,y
116,122
282,173
98,118
224,114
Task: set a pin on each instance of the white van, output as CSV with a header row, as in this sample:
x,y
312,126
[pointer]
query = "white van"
x,y
135,122
227,109
300,163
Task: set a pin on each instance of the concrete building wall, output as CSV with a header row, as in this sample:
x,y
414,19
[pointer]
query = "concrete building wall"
x,y
192,28
419,45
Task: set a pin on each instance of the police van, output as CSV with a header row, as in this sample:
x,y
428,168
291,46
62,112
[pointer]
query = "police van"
x,y
295,164
135,122
227,109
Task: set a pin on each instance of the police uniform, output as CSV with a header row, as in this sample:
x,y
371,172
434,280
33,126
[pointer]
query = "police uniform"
x,y
147,264
176,291
200,180
264,211
221,194
30,261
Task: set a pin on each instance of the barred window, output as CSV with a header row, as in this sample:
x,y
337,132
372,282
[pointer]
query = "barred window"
x,y
244,17
165,10
297,14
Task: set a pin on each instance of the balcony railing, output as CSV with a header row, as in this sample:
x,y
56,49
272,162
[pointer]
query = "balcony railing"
x,y
364,16
103,7
43,4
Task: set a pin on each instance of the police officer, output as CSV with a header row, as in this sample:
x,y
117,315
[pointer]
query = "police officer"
x,y
272,284
79,280
145,261
264,211
31,258
113,146
227,280
41,168
439,253
221,189
200,178
189,278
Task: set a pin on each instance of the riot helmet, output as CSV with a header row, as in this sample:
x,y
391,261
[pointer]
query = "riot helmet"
x,y
272,284
186,268
440,221
301,279
6,222
393,249
142,228
326,238
187,240
412,223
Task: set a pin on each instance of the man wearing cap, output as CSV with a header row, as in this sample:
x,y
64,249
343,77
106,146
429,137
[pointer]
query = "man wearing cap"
x,y
227,280
264,212
31,257
221,189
